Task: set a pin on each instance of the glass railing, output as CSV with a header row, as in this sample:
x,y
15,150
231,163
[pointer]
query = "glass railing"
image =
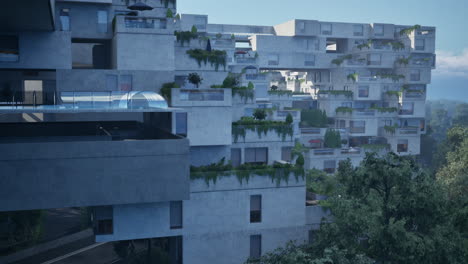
x,y
86,100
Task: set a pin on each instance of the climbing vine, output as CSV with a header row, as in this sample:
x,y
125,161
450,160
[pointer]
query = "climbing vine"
x,y
277,172
185,36
408,31
338,61
262,127
343,109
214,57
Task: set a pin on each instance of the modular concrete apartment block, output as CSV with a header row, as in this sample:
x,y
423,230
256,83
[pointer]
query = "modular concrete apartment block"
x,y
83,122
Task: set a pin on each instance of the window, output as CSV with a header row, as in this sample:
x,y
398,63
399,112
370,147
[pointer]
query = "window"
x,y
273,59
415,75
102,21
420,44
176,215
286,154
316,44
329,166
163,24
363,91
104,224
236,157
256,155
358,30
341,123
309,60
347,104
181,124
326,29
301,26
9,50
33,92
255,246
407,108
312,235
387,122
379,30
111,82
126,83
255,209
402,145
65,19
374,59
357,126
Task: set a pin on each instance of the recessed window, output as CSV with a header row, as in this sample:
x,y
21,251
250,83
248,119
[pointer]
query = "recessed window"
x,y
255,246
286,154
374,59
125,83
329,166
379,30
387,122
256,155
357,126
273,59
358,30
420,44
176,214
309,60
236,157
363,91
65,19
326,28
407,108
33,92
402,145
181,124
104,224
102,18
301,26
255,209
9,48
415,75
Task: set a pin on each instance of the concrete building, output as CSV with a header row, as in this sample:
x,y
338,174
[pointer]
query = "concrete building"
x,y
83,122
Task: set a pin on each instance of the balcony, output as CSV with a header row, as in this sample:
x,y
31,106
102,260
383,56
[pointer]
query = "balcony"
x,y
132,24
201,97
256,77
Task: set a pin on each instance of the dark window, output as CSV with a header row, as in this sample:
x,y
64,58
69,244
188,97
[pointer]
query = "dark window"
x,y
65,19
326,29
402,145
312,235
329,166
286,153
9,51
102,21
363,91
358,30
255,208
255,246
181,124
176,214
357,126
104,224
236,157
256,155
379,30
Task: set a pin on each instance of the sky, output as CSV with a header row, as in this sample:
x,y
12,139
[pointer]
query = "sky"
x,y
450,17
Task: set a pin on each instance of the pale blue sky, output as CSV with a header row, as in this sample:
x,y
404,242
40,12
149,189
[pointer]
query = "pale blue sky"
x,y
450,80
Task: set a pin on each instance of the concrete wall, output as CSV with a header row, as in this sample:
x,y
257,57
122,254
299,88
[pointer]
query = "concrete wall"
x,y
274,149
95,80
69,174
206,155
42,50
144,52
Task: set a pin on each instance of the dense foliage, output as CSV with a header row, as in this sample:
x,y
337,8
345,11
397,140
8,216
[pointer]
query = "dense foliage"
x,y
314,118
262,127
332,139
216,58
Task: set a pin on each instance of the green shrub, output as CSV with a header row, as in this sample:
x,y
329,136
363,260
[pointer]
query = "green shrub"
x,y
169,13
314,118
230,81
185,36
166,90
259,114
195,79
250,85
332,139
214,57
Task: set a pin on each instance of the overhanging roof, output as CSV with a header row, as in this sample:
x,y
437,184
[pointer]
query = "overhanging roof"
x,y
27,15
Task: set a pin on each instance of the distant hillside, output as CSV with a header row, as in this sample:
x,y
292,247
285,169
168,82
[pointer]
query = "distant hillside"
x,y
449,88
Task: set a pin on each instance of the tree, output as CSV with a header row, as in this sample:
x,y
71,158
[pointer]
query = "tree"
x,y
250,85
169,13
332,139
194,30
289,119
274,87
460,116
386,211
230,81
24,227
314,118
195,79
260,114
